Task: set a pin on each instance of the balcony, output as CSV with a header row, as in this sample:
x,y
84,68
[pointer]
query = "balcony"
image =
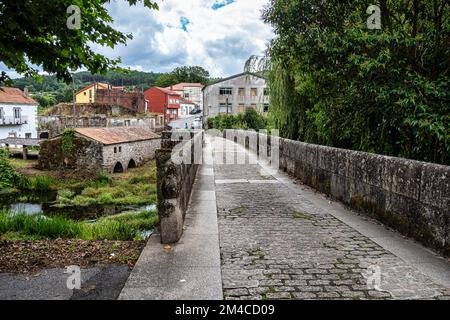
x,y
13,121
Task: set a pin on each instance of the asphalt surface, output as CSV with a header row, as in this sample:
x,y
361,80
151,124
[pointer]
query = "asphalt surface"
x,y
97,283
181,123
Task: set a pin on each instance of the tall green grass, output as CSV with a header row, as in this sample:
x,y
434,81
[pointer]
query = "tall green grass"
x,y
124,227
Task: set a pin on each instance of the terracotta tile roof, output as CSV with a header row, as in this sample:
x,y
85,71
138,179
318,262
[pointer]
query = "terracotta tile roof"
x,y
181,86
16,96
116,135
186,101
168,91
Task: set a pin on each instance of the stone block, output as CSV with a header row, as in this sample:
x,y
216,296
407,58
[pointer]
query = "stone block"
x,y
435,186
405,175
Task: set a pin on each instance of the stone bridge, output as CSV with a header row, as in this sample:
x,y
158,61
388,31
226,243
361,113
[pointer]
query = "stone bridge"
x,y
254,233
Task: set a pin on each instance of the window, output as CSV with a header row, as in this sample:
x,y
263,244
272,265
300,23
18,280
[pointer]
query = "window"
x,y
186,95
17,113
115,149
266,107
120,149
241,92
2,113
224,109
253,106
225,91
27,135
241,108
266,92
254,92
85,93
90,94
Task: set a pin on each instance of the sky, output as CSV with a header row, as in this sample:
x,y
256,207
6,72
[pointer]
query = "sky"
x,y
219,35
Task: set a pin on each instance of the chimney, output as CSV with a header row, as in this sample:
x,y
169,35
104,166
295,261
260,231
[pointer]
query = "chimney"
x,y
25,91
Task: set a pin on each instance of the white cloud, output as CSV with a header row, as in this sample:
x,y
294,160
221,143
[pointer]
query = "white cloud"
x,y
219,40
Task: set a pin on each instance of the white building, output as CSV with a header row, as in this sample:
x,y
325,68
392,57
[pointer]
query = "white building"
x,y
235,94
18,114
190,91
186,107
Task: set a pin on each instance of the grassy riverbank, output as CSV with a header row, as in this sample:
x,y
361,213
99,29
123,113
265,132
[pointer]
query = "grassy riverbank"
x,y
136,187
124,227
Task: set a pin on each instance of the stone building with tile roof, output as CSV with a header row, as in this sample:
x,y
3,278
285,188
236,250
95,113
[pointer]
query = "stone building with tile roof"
x,y
100,149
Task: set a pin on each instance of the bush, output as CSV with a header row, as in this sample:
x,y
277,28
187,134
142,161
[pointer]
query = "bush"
x,y
9,177
250,119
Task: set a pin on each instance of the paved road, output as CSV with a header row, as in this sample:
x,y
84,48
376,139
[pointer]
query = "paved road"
x,y
280,240
181,123
97,283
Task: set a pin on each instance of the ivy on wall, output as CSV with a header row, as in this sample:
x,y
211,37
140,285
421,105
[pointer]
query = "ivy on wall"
x,y
67,141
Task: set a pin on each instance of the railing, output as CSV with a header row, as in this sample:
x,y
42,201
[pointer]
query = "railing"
x,y
13,121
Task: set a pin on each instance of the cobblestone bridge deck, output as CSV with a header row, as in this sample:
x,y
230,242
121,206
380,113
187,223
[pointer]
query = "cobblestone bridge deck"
x,y
251,233
280,240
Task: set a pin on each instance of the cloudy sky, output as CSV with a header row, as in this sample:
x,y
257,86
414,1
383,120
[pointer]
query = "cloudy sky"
x,y
216,34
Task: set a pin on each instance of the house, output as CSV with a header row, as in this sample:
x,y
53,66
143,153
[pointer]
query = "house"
x,y
106,94
163,101
190,91
88,94
18,114
235,94
186,107
93,150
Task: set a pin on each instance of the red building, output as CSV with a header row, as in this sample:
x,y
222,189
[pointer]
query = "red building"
x,y
163,101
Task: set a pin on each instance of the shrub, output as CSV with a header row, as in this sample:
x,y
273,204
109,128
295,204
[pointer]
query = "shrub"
x,y
9,177
250,119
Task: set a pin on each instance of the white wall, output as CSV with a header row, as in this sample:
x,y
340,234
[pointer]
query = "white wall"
x,y
28,112
185,110
212,98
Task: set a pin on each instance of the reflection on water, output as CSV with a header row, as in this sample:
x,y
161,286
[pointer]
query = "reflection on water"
x,y
35,203
25,208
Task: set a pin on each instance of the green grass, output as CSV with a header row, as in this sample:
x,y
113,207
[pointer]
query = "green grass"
x,y
124,227
136,187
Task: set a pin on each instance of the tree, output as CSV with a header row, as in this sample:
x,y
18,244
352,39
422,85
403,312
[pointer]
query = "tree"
x,y
192,74
166,80
36,33
335,82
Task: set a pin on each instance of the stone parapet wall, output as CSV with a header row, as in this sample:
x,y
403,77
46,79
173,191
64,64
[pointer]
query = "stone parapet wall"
x,y
175,180
412,197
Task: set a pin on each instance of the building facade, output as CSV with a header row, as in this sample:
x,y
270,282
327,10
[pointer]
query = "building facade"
x,y
88,94
190,91
235,94
18,114
105,94
186,107
163,101
101,149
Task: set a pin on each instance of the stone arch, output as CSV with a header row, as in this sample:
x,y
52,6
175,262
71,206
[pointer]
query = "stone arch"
x,y
44,135
132,164
118,168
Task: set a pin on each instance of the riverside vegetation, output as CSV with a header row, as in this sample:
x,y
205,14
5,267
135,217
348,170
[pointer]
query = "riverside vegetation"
x,y
134,188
